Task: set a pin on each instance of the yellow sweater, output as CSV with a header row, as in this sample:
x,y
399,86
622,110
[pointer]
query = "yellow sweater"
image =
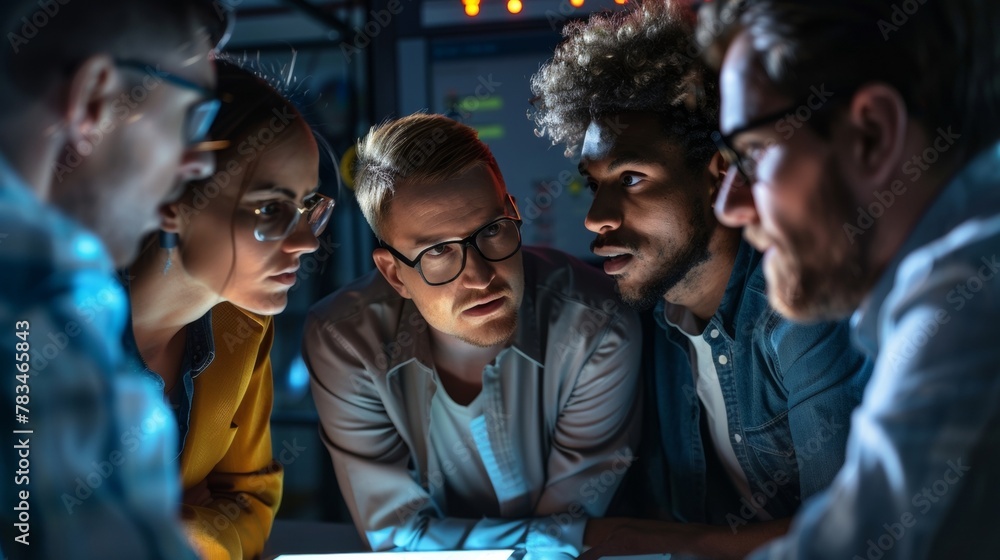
x,y
228,446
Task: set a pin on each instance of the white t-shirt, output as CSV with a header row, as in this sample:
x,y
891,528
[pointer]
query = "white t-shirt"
x,y
709,389
466,480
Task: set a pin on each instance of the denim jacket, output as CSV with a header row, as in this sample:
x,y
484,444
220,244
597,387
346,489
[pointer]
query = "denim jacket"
x,y
789,391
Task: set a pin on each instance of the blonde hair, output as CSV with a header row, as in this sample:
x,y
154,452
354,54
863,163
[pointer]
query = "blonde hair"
x,y
419,149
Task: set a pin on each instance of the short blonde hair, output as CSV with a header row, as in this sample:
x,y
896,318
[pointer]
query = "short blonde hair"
x,y
416,150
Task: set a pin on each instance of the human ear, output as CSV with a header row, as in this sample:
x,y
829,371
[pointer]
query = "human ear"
x,y
170,218
715,173
89,101
876,139
389,268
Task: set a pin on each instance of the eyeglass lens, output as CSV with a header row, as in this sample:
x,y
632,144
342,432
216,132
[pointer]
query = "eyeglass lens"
x,y
444,262
277,220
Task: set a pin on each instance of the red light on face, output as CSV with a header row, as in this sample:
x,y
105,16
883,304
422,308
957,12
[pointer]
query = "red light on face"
x,y
514,6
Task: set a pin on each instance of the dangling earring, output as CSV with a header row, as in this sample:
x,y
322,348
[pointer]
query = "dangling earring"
x,y
168,240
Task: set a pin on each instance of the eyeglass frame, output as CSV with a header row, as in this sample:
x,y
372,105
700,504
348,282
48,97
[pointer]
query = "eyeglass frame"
x,y
724,142
464,243
330,202
210,104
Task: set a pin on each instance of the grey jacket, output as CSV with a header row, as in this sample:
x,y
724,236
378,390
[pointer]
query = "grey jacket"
x,y
560,421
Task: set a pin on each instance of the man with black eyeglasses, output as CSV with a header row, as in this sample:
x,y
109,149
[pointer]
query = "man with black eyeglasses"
x,y
472,393
91,144
885,208
747,413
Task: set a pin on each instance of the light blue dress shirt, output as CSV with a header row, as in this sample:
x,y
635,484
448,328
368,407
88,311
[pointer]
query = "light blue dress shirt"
x,y
99,440
921,474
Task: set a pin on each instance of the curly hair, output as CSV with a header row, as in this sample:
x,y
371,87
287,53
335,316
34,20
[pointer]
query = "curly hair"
x,y
639,60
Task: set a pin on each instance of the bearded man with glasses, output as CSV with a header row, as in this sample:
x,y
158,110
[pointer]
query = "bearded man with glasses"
x,y
472,393
885,209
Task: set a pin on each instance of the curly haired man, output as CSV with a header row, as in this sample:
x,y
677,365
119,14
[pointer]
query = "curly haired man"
x,y
748,413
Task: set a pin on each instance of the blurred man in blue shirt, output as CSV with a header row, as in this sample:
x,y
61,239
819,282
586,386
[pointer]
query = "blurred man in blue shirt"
x,y
883,200
102,106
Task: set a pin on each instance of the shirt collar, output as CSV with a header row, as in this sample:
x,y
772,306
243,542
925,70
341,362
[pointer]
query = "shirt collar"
x,y
527,341
746,275
199,344
412,341
973,191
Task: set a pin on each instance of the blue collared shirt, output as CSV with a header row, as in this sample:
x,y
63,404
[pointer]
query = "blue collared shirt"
x,y
788,390
95,461
920,479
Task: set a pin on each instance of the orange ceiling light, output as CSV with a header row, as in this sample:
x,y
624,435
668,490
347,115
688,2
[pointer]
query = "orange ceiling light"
x,y
621,1
471,7
514,6
576,3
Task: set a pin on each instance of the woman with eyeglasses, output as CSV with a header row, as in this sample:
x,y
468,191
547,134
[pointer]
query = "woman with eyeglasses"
x,y
202,300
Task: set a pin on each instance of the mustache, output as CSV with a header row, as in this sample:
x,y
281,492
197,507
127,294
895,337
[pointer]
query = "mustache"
x,y
602,241
477,297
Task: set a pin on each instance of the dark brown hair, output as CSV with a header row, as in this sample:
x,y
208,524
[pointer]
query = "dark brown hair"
x,y
942,56
48,38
